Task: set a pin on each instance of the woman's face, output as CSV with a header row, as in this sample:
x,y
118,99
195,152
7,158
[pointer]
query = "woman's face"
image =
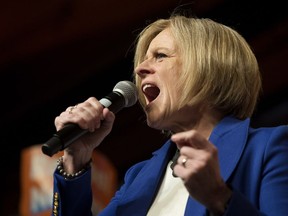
x,y
158,74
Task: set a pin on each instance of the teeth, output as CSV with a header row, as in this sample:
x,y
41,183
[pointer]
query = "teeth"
x,y
146,86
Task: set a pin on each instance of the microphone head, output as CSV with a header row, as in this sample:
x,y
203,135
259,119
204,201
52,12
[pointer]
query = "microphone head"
x,y
128,90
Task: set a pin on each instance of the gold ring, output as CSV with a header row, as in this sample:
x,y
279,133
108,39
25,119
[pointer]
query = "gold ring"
x,y
71,109
184,160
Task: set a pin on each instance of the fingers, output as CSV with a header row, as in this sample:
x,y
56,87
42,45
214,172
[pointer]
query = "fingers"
x,y
190,138
70,109
88,115
196,153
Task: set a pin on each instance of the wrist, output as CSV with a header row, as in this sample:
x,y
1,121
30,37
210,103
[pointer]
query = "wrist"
x,y
73,161
71,174
223,201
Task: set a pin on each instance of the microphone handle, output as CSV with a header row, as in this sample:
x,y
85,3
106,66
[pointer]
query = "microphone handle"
x,y
62,139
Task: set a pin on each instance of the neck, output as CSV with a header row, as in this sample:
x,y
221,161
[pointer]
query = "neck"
x,y
205,122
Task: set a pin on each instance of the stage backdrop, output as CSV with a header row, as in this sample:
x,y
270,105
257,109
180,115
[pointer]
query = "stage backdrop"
x,y
36,181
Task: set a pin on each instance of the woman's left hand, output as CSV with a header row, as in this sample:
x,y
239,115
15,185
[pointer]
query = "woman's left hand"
x,y
198,167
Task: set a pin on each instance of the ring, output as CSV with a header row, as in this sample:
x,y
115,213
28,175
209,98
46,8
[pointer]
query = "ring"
x,y
184,160
71,109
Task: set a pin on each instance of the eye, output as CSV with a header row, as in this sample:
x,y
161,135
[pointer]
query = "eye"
x,y
160,55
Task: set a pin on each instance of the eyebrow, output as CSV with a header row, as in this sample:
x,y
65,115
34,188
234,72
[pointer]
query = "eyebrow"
x,y
157,49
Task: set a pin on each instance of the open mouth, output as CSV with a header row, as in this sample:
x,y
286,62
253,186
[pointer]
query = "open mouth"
x,y
151,92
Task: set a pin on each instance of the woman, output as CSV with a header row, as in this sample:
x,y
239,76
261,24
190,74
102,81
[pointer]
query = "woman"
x,y
199,81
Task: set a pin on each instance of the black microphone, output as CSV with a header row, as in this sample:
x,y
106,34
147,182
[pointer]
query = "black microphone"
x,y
124,94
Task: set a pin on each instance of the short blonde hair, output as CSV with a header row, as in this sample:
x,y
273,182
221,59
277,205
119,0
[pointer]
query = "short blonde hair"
x,y
219,67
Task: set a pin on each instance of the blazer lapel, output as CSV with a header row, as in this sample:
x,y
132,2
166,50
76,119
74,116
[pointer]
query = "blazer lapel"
x,y
140,194
229,136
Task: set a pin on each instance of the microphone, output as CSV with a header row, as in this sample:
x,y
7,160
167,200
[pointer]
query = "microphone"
x,y
124,94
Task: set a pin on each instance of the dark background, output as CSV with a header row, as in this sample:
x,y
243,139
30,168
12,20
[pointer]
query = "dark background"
x,y
54,54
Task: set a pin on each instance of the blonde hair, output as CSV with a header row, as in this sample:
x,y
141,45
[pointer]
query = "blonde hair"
x,y
219,68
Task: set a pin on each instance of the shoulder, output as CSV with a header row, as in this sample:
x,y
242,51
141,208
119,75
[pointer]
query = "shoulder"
x,y
269,134
271,141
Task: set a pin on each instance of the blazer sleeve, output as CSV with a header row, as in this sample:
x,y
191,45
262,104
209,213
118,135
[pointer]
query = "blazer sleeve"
x,y
72,197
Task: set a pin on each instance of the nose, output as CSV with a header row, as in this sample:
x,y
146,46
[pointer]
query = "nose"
x,y
143,69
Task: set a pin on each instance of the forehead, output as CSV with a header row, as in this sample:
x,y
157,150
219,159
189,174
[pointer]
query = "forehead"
x,y
163,40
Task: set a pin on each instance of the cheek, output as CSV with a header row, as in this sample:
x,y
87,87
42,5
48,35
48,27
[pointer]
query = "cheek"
x,y
172,93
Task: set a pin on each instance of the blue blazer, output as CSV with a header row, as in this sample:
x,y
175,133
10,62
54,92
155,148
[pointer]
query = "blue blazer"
x,y
254,162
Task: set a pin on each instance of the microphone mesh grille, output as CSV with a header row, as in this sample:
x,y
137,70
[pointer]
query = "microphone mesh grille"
x,y
128,90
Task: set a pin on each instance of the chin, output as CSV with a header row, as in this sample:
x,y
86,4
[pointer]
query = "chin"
x,y
151,122
154,126
154,122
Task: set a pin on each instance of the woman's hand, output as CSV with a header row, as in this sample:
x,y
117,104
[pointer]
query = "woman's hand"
x,y
198,167
89,115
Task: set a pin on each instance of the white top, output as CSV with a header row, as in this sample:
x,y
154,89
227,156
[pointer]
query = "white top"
x,y
171,198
